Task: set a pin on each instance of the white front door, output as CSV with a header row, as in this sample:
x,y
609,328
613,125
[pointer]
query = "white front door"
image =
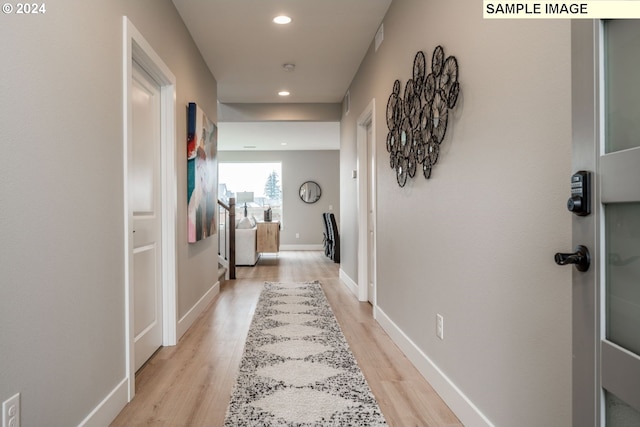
x,y
145,202
606,298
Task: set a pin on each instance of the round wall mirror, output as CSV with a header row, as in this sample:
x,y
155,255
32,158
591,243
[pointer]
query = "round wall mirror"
x,y
310,192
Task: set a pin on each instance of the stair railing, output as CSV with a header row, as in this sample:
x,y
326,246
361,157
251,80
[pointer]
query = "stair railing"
x,y
227,235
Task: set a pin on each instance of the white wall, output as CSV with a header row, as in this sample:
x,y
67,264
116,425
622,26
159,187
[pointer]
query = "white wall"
x,y
475,243
62,307
321,166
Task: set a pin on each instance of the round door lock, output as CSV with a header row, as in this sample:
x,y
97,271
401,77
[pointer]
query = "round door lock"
x,y
574,204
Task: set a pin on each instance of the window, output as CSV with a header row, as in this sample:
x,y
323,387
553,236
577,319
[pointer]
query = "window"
x,y
262,179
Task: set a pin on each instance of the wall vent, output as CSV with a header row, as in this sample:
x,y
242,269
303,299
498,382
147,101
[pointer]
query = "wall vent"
x,y
379,36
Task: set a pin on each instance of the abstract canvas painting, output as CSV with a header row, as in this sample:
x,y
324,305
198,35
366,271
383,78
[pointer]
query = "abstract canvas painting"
x,y
202,137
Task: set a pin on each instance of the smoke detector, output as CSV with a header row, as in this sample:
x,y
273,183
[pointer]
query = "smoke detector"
x,y
288,67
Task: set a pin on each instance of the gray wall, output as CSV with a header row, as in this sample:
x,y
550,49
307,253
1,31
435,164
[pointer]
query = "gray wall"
x,y
62,305
475,243
305,112
298,167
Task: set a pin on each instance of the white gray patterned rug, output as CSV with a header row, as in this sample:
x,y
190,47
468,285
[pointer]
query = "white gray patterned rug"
x,y
297,369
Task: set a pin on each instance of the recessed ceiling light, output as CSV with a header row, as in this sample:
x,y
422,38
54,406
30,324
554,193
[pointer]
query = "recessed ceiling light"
x,y
282,19
283,93
283,143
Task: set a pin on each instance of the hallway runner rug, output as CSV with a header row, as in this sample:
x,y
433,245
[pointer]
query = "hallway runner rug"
x,y
297,369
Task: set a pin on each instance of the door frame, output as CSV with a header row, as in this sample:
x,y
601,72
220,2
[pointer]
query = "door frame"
x,y
586,294
367,118
135,47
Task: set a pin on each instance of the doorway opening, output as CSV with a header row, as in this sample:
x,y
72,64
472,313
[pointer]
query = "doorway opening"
x,y
367,205
137,50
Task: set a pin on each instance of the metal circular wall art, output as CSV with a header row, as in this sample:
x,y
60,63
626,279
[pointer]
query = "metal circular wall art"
x,y
417,119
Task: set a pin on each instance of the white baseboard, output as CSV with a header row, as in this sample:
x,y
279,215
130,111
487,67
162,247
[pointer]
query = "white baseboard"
x,y
301,247
187,320
460,404
109,408
348,281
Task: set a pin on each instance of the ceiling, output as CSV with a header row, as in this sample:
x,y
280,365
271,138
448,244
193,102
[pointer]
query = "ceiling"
x,y
245,51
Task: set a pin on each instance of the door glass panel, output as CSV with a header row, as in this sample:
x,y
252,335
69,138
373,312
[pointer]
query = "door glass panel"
x,y
622,99
619,414
623,274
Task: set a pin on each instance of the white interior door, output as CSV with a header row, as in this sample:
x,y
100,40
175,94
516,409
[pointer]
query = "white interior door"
x,y
145,202
371,261
606,306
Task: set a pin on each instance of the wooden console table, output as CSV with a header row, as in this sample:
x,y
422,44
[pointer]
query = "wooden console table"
x,y
268,236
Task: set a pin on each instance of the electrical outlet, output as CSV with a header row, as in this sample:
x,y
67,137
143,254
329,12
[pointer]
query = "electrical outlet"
x,y
297,235
440,326
11,411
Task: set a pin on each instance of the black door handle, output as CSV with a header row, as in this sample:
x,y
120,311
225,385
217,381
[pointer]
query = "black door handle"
x,y
581,258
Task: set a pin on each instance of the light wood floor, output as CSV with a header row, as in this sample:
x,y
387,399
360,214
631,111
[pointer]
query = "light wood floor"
x,y
190,384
